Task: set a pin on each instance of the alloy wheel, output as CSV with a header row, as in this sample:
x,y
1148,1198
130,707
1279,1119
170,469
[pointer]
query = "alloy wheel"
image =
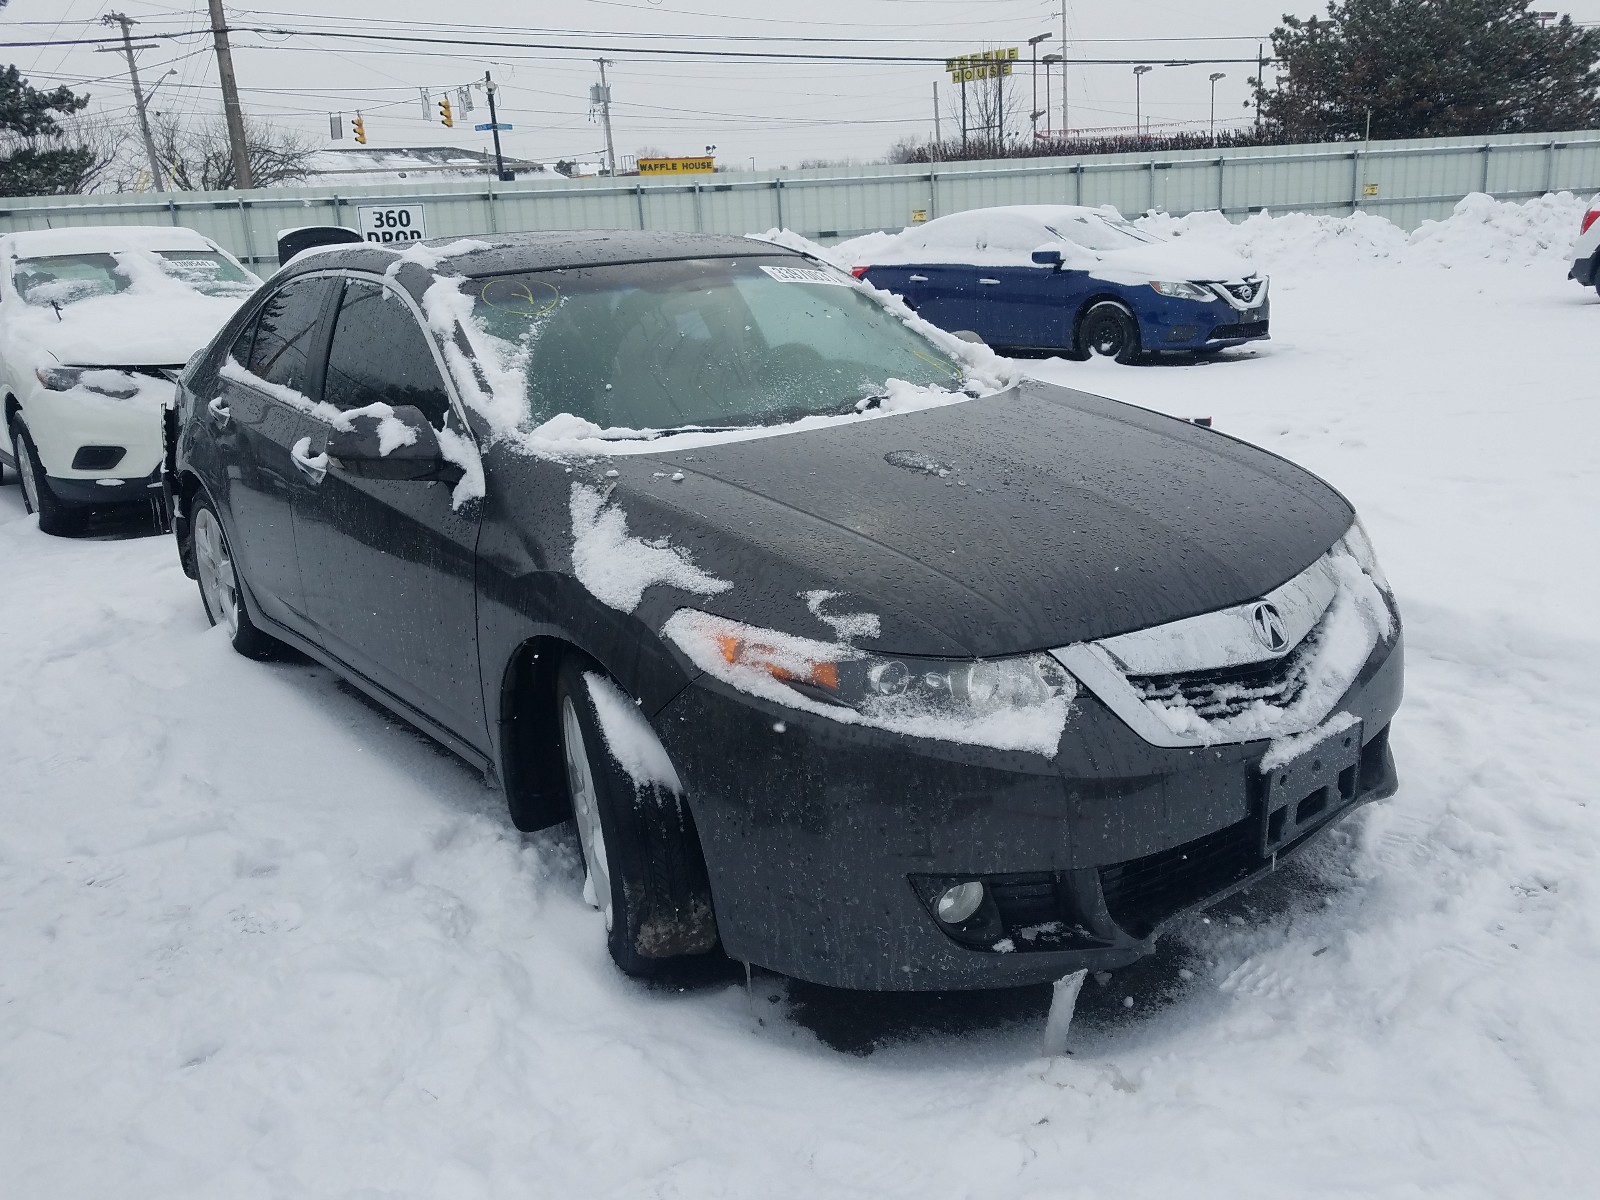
x,y
30,484
215,568
586,811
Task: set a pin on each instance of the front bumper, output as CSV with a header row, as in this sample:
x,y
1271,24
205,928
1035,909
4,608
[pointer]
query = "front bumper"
x,y
108,489
1187,325
817,836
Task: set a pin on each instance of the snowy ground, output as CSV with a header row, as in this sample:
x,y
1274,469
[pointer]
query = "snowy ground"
x,y
259,940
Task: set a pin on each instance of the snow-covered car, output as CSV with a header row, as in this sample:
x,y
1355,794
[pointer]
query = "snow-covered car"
x,y
846,646
95,324
1070,278
1586,251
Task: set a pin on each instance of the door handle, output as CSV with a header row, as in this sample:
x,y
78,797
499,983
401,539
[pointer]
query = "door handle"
x,y
312,466
220,413
989,281
919,279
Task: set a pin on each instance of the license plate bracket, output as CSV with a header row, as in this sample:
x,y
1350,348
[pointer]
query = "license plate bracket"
x,y
1310,789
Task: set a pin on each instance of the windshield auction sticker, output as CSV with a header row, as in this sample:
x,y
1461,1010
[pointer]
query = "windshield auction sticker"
x,y
805,275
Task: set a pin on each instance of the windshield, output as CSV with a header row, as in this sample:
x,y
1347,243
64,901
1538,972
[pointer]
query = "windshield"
x,y
67,278
704,342
1099,233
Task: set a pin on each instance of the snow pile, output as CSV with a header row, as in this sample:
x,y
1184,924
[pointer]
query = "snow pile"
x,y
716,646
629,737
615,567
1481,229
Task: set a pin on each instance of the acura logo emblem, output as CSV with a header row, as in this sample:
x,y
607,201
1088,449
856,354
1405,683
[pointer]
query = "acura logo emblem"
x,y
1269,628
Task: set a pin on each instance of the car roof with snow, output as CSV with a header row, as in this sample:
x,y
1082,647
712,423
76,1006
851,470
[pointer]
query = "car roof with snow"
x,y
497,254
102,239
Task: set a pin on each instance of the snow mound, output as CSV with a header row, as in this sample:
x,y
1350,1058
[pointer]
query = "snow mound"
x,y
1481,229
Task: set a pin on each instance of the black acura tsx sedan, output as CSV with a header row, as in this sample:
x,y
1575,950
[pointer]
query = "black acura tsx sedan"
x,y
849,651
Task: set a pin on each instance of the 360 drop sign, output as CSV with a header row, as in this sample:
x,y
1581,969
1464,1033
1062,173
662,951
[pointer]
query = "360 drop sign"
x,y
392,222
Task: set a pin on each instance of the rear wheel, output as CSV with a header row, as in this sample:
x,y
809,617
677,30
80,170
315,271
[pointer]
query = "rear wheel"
x,y
219,587
646,874
54,516
1108,330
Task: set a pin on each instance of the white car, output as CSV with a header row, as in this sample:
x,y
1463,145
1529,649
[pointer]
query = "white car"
x,y
1586,251
95,324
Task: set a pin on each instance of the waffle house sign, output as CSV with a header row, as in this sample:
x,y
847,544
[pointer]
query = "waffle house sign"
x,y
677,166
990,64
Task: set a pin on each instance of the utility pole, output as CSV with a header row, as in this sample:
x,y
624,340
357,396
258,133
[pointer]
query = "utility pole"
x,y
1261,80
937,137
1066,121
605,117
237,146
128,48
1215,75
489,87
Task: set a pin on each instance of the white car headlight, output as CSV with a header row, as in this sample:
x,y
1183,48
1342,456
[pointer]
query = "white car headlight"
x,y
119,385
1180,290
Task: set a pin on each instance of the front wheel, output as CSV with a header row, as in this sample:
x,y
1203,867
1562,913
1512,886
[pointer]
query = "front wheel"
x,y
1108,330
646,873
218,577
54,516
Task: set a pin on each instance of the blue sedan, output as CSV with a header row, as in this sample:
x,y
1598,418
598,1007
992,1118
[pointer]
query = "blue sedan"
x,y
1073,279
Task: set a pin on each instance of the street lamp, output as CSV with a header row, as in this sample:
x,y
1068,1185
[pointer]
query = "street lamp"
x,y
1138,100
1048,59
1215,75
1033,44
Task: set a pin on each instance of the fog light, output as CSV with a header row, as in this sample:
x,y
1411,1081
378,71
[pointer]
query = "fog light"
x,y
957,904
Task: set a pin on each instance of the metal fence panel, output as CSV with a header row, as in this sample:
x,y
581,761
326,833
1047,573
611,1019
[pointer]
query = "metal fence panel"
x,y
1407,181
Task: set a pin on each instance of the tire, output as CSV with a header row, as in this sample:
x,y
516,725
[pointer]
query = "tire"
x,y
55,518
1108,330
218,578
645,871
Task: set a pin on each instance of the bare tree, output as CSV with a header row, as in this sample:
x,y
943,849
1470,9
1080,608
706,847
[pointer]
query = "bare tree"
x,y
199,159
100,164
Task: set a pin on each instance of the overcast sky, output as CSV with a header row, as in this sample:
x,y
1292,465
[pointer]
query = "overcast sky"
x,y
776,113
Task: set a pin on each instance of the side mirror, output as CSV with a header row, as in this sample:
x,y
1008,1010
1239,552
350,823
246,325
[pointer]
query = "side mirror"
x,y
1048,258
966,335
377,448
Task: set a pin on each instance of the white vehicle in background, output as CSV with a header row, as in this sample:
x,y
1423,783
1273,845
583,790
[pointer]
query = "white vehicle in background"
x,y
1586,251
95,324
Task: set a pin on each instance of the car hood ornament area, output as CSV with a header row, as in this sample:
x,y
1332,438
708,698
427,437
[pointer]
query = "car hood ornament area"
x,y
1270,628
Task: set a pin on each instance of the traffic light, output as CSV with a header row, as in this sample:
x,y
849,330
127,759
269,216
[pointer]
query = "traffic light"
x,y
360,128
445,117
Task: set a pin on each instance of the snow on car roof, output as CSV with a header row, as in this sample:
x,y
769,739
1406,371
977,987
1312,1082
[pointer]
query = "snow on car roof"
x,y
98,239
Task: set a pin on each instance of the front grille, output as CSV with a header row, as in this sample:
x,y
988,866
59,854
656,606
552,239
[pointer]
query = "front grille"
x,y
1229,691
1242,292
1143,892
1249,329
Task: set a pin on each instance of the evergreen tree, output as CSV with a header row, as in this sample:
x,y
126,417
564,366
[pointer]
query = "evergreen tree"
x,y
1429,68
32,161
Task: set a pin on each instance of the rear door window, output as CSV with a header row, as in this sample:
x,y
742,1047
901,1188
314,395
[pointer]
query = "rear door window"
x,y
381,355
287,329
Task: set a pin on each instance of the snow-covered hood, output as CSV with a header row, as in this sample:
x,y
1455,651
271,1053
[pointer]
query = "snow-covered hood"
x,y
1174,262
125,330
1034,518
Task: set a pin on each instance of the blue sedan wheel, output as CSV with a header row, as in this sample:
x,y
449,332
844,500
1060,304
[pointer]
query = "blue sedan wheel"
x,y
1108,330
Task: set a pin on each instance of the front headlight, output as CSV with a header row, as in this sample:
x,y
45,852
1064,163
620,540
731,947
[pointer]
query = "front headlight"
x,y
1013,703
119,385
1359,546
1182,291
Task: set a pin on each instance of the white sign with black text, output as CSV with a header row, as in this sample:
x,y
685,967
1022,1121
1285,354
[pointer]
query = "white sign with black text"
x,y
392,222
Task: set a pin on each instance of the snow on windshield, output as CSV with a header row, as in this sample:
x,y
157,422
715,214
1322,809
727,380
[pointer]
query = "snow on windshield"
x,y
796,354
62,279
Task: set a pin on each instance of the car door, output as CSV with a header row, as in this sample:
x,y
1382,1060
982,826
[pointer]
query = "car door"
x,y
945,294
255,422
1020,306
389,565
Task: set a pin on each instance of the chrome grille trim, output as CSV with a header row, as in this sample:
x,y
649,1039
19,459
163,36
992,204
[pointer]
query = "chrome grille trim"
x,y
1213,641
